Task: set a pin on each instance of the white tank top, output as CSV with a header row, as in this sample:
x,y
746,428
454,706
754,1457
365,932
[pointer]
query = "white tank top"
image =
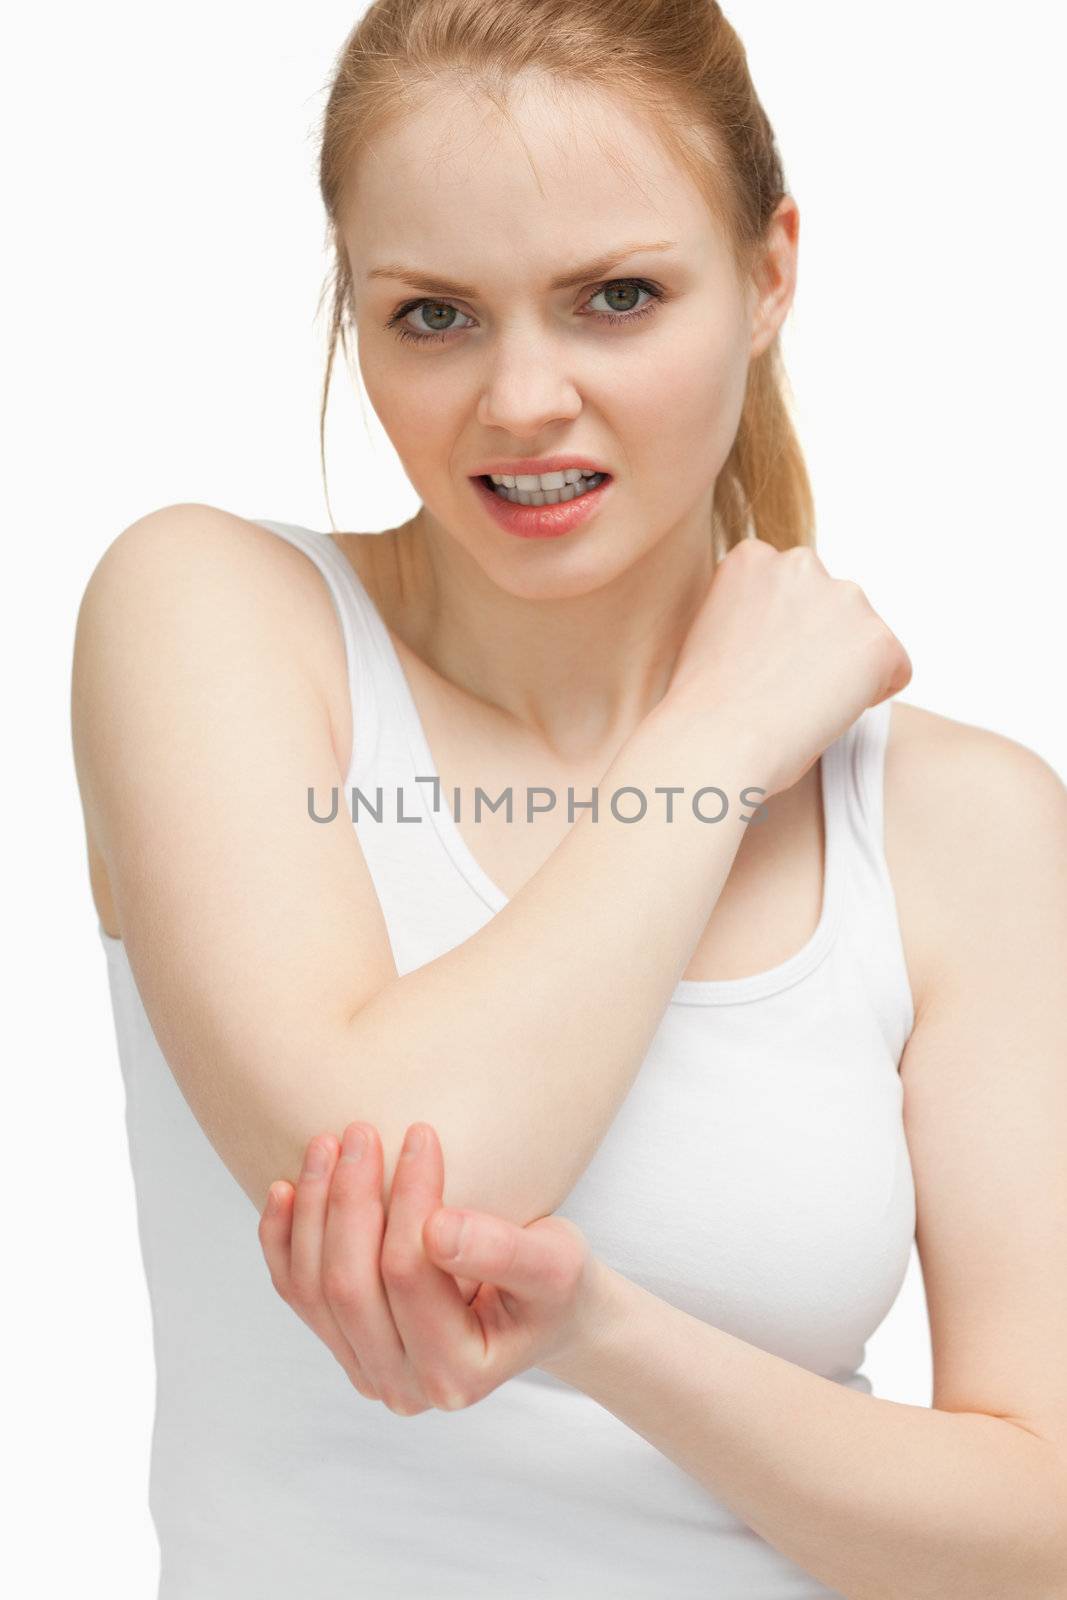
x,y
756,1176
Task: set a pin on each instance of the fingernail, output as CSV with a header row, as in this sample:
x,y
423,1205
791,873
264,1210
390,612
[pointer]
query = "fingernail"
x,y
449,1234
355,1143
415,1140
315,1162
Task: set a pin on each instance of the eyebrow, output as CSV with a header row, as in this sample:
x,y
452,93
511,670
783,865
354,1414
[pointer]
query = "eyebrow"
x,y
600,268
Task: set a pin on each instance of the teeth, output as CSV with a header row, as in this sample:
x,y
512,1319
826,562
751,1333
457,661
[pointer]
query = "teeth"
x,y
534,482
549,497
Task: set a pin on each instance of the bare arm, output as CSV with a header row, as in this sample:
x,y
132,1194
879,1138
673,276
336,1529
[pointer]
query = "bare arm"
x,y
521,1044
256,937
967,1498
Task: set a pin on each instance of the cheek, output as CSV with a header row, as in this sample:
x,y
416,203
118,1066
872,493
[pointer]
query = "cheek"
x,y
688,411
422,417
410,399
409,406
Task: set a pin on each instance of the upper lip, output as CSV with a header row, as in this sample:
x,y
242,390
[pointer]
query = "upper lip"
x,y
531,465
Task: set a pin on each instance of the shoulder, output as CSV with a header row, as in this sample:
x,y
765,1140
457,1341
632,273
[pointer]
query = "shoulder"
x,y
184,543
194,585
208,572
973,820
937,760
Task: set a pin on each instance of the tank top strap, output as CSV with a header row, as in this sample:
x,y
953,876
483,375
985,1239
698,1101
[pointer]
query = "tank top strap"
x,y
358,620
870,923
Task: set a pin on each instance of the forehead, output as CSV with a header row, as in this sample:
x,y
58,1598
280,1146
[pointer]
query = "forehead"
x,y
457,188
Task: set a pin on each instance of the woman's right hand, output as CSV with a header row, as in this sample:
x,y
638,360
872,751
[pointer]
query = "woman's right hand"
x,y
788,654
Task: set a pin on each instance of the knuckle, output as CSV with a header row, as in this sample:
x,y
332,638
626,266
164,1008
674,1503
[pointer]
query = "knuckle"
x,y
752,550
358,1378
347,1180
498,1247
303,1292
400,1268
434,1388
886,643
898,663
339,1285
444,1395
402,1405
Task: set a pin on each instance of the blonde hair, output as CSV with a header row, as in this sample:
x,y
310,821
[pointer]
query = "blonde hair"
x,y
678,62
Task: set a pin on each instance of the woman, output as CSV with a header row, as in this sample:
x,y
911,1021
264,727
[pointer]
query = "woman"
x,y
659,1056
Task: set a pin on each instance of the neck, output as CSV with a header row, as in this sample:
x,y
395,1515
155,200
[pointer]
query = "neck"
x,y
579,669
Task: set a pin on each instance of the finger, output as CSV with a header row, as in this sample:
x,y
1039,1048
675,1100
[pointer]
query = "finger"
x,y
438,1330
537,1262
355,1223
275,1231
309,1217
306,1292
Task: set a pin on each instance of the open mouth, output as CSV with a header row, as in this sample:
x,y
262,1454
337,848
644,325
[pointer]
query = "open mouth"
x,y
545,497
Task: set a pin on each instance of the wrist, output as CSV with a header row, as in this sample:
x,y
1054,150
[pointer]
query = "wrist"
x,y
607,1307
717,738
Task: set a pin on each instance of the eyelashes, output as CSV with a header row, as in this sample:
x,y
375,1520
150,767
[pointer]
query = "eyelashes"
x,y
402,331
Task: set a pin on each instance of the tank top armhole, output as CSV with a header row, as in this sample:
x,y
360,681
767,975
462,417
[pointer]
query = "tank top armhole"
x,y
348,605
872,740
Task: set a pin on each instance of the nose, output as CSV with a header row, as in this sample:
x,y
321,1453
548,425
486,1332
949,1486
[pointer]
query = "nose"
x,y
526,387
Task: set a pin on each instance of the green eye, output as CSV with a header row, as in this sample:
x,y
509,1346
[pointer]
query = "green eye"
x,y
404,331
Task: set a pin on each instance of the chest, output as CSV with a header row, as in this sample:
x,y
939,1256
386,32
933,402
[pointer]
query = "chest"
x,y
770,905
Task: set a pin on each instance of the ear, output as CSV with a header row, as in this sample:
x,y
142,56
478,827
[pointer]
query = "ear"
x,y
774,276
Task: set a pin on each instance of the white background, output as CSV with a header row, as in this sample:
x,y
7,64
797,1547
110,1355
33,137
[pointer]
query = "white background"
x,y
161,345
